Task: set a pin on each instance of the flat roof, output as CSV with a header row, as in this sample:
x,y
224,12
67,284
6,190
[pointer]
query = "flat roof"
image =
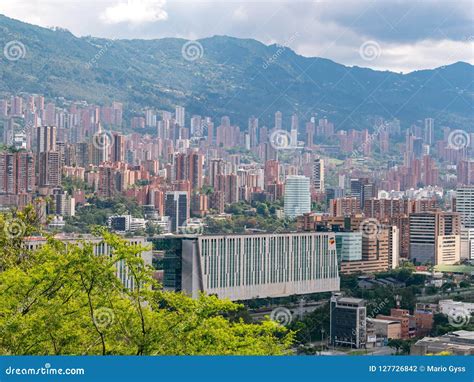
x,y
382,321
352,300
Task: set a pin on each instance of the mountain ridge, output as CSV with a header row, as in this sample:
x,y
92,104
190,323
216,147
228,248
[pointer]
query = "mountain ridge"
x,y
233,76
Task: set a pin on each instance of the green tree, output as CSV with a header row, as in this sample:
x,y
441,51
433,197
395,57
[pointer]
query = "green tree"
x,y
262,209
401,346
395,343
63,299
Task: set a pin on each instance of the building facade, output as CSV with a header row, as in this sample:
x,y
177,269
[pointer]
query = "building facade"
x,y
243,267
297,199
435,237
348,322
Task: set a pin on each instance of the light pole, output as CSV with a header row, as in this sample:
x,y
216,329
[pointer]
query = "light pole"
x,y
322,340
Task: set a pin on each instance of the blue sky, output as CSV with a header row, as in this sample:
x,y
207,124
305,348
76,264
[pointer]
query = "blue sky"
x,y
407,35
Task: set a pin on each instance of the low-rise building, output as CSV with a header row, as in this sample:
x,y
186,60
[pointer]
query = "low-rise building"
x,y
250,266
348,322
456,308
386,328
126,223
100,248
460,342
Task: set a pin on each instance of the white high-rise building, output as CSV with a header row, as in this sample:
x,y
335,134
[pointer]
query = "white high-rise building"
x,y
180,117
297,196
429,131
465,205
318,174
150,118
196,126
294,130
278,120
467,243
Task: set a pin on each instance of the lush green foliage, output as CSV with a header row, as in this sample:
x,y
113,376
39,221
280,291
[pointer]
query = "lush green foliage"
x,y
401,346
244,216
97,210
72,184
313,327
63,299
442,325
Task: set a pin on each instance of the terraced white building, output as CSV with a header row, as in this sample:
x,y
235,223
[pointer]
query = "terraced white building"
x,y
242,267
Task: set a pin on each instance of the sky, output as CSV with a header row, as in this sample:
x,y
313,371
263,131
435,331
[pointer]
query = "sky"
x,y
397,35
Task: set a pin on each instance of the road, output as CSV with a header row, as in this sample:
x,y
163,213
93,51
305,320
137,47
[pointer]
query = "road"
x,y
296,310
448,295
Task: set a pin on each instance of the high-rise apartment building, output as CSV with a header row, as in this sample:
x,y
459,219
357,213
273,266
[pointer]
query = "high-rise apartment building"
x,y
297,200
344,207
189,167
464,205
216,167
180,116
195,167
363,190
177,209
467,243
253,131
318,174
435,237
17,173
428,132
294,131
278,120
375,252
465,170
49,169
118,147
46,138
393,246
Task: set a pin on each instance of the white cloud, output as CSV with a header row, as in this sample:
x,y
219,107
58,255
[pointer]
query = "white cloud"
x,y
240,14
135,12
426,54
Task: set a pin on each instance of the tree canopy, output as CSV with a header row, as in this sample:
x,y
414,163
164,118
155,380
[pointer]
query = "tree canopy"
x,y
63,299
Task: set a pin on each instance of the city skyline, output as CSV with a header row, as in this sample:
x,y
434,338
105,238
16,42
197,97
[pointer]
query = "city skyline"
x,y
220,196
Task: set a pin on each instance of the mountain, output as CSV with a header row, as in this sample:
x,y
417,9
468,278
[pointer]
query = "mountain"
x,y
235,77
